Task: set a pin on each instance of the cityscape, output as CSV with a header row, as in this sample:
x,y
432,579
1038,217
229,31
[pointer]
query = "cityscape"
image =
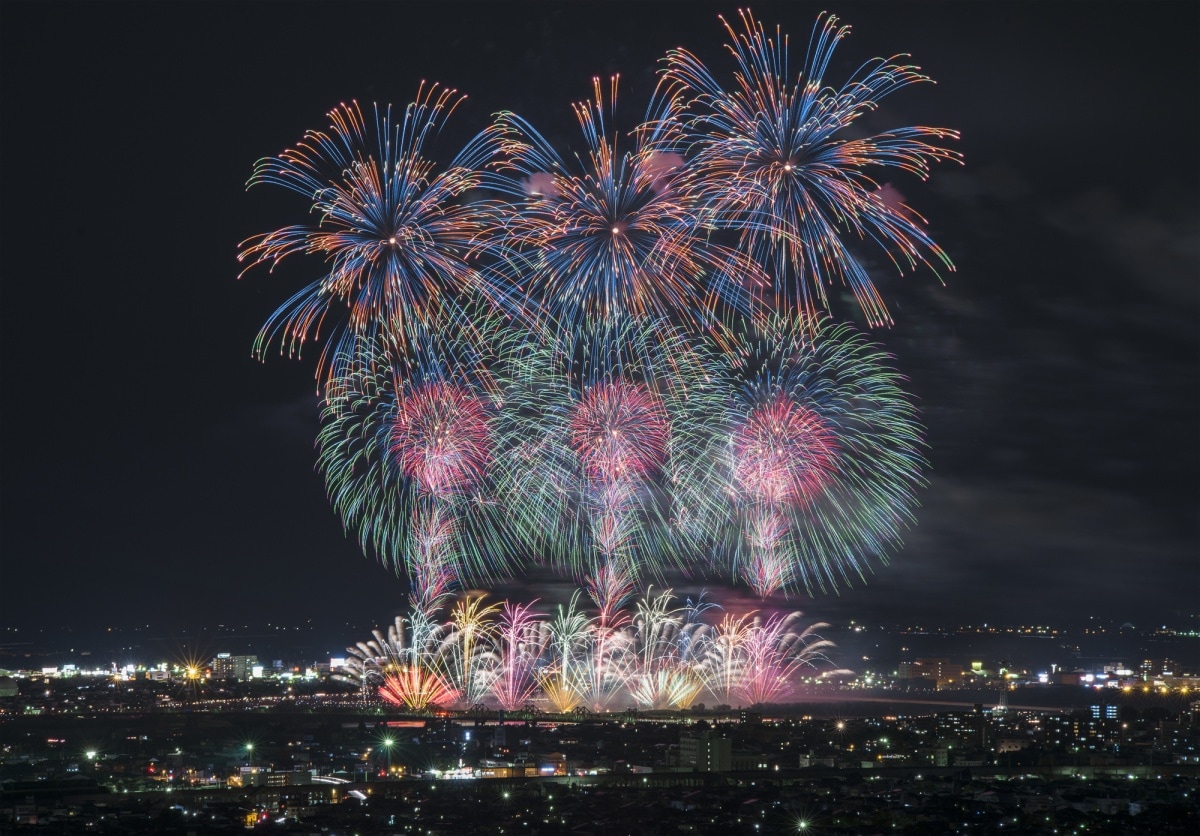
x,y
963,742
563,418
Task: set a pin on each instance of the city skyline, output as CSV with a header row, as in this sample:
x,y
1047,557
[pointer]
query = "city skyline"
x,y
152,470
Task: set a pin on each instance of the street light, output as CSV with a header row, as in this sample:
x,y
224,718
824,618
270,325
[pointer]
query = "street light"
x,y
250,753
387,747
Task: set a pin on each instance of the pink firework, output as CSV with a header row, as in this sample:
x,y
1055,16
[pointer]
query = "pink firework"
x,y
750,659
441,438
773,654
769,567
520,639
619,430
783,453
610,587
432,571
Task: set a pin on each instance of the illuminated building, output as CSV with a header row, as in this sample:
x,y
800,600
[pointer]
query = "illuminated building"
x,y
706,752
240,668
940,671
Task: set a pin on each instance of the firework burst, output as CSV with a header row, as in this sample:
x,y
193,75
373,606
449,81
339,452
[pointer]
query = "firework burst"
x,y
663,672
407,667
471,660
783,452
771,159
520,641
561,679
823,459
617,241
619,431
399,239
752,660
600,456
440,438
406,445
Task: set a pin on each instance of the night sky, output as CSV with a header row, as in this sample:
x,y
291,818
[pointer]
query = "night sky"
x,y
152,472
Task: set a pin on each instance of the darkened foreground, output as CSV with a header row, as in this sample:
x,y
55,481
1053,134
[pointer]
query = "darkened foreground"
x,y
1107,768
818,800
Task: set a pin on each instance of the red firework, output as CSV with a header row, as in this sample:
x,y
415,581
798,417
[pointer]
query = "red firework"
x,y
783,452
619,430
416,688
441,438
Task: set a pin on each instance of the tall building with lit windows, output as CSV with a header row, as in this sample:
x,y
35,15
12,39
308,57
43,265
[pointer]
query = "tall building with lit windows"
x,y
226,666
705,752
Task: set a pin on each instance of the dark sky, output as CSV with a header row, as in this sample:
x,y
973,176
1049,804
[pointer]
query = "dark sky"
x,y
152,472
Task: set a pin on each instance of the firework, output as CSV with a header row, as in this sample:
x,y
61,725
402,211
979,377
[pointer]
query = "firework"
x,y
406,445
611,583
399,240
415,687
520,640
568,634
600,455
406,667
612,240
657,655
471,661
755,660
588,659
823,459
770,158
429,556
605,661
783,452
439,438
619,431
664,670
594,662
587,371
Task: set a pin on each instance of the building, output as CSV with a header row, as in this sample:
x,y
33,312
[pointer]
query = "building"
x,y
705,752
941,672
240,668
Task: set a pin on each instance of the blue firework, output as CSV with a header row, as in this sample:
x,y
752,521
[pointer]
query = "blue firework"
x,y
400,241
771,157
